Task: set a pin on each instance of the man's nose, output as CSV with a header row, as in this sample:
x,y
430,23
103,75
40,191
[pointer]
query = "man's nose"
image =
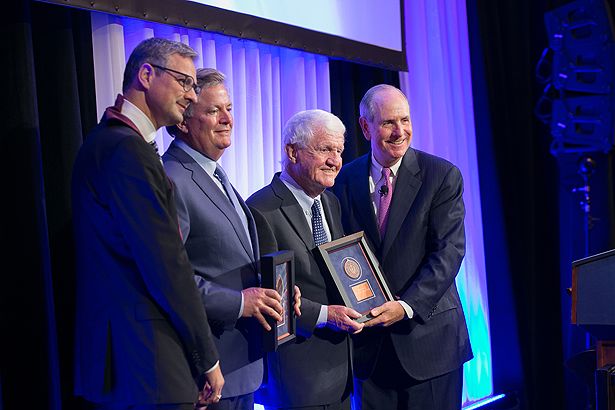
x,y
334,159
225,116
399,128
191,96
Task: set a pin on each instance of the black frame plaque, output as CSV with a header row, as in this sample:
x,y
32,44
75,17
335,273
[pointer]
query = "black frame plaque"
x,y
356,273
278,272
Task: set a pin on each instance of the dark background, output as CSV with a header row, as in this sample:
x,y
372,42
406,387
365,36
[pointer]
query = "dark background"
x,y
533,224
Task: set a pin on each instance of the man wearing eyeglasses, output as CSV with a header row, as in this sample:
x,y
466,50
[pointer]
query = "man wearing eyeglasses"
x,y
296,212
142,336
220,237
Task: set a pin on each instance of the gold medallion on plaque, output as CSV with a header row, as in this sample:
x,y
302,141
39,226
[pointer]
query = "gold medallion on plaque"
x,y
351,268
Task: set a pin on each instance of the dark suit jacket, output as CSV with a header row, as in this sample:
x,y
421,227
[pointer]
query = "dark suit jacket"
x,y
141,330
420,256
225,264
315,369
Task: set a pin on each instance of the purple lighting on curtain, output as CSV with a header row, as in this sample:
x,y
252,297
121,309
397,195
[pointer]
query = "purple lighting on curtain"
x,y
267,85
439,87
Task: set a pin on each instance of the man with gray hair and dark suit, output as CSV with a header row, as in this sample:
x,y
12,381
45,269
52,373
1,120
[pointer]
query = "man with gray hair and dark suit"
x,y
296,212
220,237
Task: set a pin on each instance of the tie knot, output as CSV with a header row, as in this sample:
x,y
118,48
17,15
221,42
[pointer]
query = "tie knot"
x,y
220,174
316,207
386,172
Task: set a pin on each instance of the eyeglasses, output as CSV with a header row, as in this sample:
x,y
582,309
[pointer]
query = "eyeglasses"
x,y
187,82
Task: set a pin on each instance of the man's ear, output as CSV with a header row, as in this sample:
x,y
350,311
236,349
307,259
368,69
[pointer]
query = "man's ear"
x,y
365,128
291,153
183,127
146,75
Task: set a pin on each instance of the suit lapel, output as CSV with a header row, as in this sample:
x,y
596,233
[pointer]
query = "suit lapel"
x,y
215,195
334,223
406,188
360,198
292,212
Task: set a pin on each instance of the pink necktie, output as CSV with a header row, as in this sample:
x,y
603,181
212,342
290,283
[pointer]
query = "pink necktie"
x,y
385,192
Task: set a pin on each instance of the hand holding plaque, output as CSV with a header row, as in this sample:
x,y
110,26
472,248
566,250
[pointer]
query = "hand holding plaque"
x,y
342,318
356,273
278,274
386,314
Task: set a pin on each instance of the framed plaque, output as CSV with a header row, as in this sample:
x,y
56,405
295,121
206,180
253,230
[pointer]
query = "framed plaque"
x,y
278,272
356,273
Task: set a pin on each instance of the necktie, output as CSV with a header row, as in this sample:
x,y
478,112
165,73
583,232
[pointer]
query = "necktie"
x,y
386,192
318,229
230,194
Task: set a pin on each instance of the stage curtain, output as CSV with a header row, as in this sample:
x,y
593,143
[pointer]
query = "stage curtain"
x,y
267,85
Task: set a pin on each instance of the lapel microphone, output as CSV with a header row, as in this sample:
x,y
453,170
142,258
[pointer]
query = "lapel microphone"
x,y
384,190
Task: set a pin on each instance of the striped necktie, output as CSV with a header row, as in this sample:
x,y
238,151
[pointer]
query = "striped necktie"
x,y
386,192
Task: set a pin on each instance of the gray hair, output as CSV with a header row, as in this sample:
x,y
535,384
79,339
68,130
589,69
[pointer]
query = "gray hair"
x,y
154,51
367,107
304,125
205,78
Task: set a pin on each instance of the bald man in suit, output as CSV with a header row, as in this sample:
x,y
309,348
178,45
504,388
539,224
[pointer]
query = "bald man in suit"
x,y
410,205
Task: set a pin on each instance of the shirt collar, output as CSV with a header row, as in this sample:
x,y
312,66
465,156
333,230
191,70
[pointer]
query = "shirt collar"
x,y
208,164
142,121
305,201
376,169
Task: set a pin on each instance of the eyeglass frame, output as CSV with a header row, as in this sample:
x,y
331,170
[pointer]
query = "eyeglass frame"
x,y
181,81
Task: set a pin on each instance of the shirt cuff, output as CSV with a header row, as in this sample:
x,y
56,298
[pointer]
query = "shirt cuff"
x,y
322,316
213,367
407,308
240,306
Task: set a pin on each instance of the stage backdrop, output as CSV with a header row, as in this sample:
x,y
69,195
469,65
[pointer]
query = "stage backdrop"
x,y
268,84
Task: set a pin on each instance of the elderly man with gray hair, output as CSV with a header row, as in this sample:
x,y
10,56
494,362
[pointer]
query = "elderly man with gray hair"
x,y
296,212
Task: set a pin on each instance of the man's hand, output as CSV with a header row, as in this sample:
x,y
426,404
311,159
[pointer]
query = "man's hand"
x,y
212,390
258,302
341,318
297,304
386,314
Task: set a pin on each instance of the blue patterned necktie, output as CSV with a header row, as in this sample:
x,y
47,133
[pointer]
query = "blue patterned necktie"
x,y
318,229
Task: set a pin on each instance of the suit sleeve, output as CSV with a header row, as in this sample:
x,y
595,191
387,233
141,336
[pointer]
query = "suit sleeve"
x,y
222,304
143,205
268,243
445,247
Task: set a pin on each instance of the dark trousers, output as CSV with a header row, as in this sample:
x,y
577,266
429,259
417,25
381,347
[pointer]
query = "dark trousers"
x,y
115,406
243,402
390,387
344,405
